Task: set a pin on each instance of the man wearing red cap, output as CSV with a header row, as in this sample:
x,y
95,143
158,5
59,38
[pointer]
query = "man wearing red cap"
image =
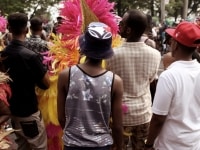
x,y
175,124
198,21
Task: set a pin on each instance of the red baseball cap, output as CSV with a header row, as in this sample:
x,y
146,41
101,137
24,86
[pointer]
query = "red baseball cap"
x,y
186,33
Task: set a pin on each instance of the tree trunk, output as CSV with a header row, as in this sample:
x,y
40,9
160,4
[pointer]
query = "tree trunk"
x,y
162,10
185,9
152,8
119,7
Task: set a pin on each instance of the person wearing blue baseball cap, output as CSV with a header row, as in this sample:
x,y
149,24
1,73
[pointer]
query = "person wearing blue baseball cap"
x,y
89,95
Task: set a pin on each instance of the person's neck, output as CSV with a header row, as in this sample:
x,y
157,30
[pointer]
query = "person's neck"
x,y
92,67
92,63
133,39
36,33
19,37
183,58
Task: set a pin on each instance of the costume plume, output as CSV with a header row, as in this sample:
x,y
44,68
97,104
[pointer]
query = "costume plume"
x,y
3,24
64,52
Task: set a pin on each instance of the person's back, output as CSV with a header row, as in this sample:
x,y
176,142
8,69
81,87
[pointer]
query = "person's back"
x,y
89,95
24,74
25,69
37,44
35,41
175,123
88,107
182,119
137,64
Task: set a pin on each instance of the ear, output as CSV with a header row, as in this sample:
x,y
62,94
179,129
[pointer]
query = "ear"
x,y
128,31
175,46
26,30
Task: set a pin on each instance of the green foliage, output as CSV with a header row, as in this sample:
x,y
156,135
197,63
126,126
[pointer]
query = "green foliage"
x,y
10,6
36,6
174,8
131,4
194,6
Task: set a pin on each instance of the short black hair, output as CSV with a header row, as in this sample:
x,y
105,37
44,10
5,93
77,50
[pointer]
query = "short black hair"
x,y
59,18
36,24
185,49
137,21
17,23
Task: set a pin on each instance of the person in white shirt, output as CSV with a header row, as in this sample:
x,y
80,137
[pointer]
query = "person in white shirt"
x,y
175,124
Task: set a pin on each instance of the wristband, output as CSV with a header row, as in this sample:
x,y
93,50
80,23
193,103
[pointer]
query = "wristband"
x,y
148,145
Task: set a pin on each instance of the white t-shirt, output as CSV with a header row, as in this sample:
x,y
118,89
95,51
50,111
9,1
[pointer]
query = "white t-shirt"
x,y
175,98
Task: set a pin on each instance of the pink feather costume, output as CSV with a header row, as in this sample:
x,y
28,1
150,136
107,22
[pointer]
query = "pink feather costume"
x,y
64,52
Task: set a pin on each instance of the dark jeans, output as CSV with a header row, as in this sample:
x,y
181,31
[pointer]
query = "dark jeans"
x,y
87,148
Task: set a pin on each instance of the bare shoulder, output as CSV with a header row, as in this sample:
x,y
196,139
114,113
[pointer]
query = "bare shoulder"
x,y
118,83
65,71
151,43
118,78
167,59
64,74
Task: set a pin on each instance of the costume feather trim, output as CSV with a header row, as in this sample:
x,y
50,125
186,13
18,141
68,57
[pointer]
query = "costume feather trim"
x,y
3,24
64,52
5,91
103,10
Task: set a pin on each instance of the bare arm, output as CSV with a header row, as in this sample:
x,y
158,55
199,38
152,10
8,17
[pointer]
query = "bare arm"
x,y
46,81
117,127
61,96
40,74
156,125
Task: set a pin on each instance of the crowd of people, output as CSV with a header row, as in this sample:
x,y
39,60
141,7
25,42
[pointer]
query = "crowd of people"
x,y
103,107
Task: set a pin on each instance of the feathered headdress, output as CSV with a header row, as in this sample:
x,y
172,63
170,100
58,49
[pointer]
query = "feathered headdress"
x,y
78,14
3,23
64,52
5,91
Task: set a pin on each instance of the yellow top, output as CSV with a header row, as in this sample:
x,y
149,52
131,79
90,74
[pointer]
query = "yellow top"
x,y
103,65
